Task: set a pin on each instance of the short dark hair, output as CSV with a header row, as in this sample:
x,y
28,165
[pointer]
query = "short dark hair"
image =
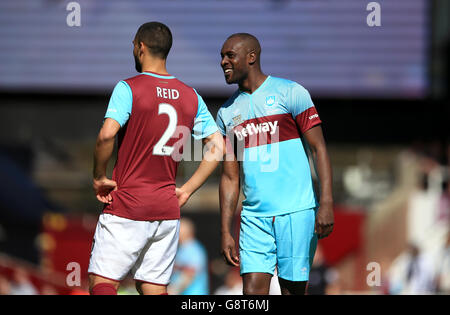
x,y
157,37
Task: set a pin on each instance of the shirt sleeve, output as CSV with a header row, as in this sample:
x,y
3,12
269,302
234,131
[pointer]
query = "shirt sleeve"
x,y
204,124
120,103
220,124
302,108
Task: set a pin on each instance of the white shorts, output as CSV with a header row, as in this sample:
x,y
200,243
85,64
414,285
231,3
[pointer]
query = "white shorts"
x,y
146,248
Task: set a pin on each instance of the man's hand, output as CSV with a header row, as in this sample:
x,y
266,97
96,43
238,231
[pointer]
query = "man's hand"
x,y
211,159
182,196
324,217
103,150
324,220
229,250
103,188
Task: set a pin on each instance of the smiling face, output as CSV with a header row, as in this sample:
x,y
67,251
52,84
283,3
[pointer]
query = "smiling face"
x,y
235,60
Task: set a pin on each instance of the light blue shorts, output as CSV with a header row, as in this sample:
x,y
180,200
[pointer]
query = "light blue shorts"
x,y
287,242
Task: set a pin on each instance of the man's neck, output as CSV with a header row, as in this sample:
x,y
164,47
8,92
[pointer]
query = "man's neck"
x,y
154,65
252,82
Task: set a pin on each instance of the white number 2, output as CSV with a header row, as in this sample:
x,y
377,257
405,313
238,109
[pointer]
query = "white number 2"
x,y
160,147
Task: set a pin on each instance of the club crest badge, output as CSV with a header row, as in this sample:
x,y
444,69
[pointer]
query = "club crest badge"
x,y
270,100
237,120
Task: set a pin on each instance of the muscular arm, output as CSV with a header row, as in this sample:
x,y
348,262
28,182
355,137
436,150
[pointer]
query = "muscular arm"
x,y
325,217
229,196
211,159
103,150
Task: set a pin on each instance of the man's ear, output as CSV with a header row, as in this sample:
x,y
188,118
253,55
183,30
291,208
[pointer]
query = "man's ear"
x,y
251,57
141,47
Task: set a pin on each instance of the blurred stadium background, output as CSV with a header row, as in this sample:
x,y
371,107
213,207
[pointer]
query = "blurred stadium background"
x,y
382,92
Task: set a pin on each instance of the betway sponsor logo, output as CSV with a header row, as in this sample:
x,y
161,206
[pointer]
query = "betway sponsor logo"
x,y
254,129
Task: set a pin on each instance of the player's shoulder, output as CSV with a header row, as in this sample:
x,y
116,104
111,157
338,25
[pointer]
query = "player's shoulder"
x,y
134,81
186,89
229,105
133,78
143,78
122,88
229,102
184,85
282,84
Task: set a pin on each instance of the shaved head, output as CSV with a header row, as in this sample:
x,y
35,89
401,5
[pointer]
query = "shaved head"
x,y
249,41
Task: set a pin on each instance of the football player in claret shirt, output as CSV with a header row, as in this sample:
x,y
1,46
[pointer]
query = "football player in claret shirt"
x,y
274,122
138,229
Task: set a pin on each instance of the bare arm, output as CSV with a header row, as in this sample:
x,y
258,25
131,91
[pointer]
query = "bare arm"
x,y
325,216
211,159
229,196
102,154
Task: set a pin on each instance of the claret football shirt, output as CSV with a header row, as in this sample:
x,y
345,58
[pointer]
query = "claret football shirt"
x,y
157,114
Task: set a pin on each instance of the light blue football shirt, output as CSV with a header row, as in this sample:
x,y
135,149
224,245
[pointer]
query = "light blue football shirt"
x,y
267,126
192,255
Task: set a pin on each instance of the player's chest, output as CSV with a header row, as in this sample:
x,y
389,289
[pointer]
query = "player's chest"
x,y
254,108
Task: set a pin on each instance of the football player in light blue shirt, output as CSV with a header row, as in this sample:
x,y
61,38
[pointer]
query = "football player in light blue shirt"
x,y
271,126
190,276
